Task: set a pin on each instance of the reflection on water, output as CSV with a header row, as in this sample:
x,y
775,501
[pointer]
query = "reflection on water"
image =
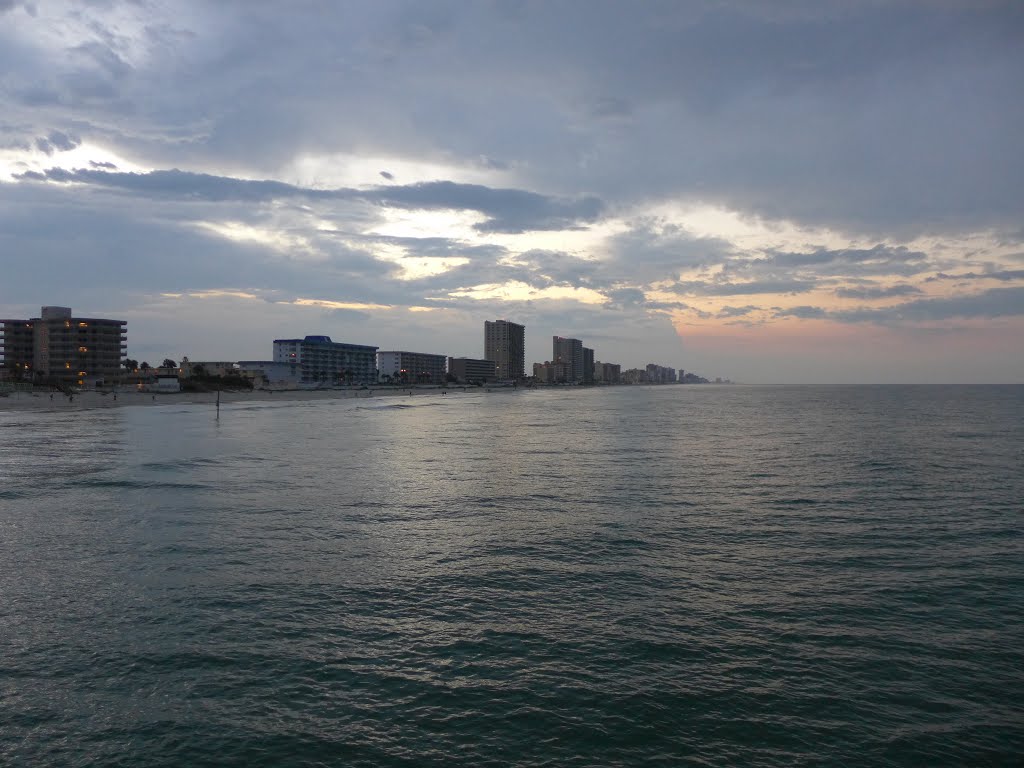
x,y
765,576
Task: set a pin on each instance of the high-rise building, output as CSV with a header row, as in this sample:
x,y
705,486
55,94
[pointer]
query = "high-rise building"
x,y
505,344
588,365
467,370
570,352
321,360
411,367
59,348
607,373
660,374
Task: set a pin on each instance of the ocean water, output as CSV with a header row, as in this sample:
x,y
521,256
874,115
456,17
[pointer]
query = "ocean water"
x,y
696,575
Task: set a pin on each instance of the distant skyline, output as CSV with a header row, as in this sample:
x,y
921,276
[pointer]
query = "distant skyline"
x,y
806,191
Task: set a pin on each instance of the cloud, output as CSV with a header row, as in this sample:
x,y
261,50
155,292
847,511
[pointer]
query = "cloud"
x,y
511,211
1004,275
994,303
997,302
855,150
752,288
737,311
879,260
863,122
902,289
803,312
57,141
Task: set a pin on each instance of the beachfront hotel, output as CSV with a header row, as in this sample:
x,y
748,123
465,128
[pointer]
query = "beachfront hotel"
x,y
468,370
58,348
411,367
505,345
320,360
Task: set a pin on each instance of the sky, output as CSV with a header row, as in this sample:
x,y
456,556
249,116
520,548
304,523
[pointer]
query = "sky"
x,y
797,191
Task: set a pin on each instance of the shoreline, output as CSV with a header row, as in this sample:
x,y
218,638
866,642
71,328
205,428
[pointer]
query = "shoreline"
x,y
57,401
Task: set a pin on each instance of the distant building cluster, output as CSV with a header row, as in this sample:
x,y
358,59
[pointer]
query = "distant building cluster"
x,y
59,349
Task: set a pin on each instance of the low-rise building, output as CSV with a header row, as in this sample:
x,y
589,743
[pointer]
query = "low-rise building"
x,y
267,373
411,367
190,368
467,370
550,372
166,383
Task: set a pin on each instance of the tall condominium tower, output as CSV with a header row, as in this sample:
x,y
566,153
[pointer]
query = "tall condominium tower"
x,y
570,353
588,365
505,344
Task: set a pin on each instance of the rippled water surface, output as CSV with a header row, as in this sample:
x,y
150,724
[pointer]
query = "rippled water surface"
x,y
625,576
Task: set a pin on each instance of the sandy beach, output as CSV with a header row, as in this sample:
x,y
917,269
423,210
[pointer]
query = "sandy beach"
x,y
19,401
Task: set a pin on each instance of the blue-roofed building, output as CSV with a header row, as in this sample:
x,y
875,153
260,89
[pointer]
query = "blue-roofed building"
x,y
322,361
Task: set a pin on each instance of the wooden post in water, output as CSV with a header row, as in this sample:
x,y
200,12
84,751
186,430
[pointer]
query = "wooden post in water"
x,y
218,403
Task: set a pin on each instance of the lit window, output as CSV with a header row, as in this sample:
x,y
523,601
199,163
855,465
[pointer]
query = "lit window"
x,y
83,349
83,325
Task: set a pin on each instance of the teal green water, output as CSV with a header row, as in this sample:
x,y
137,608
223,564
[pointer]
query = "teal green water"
x,y
748,576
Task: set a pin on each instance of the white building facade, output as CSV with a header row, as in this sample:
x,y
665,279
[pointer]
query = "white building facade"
x,y
322,361
411,367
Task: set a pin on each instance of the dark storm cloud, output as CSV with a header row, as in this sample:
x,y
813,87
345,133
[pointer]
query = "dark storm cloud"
x,y
510,211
